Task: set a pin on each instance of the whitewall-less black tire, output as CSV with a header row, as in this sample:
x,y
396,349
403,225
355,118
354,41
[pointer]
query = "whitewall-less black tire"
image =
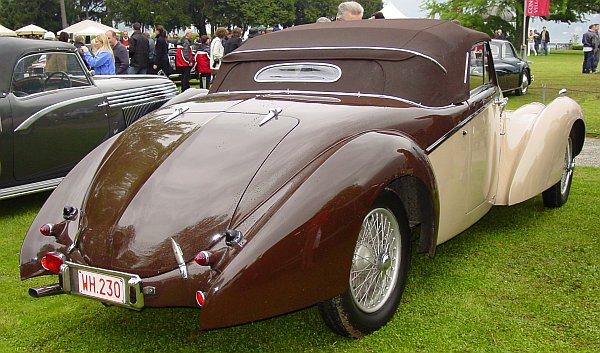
x,y
558,193
378,274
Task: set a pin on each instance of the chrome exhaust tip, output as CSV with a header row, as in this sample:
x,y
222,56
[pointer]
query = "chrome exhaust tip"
x,y
47,290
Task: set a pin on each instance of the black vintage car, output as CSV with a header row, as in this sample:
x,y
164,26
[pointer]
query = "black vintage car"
x,y
53,111
513,72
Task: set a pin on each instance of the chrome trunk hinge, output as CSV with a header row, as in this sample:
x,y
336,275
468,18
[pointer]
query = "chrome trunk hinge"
x,y
179,257
273,113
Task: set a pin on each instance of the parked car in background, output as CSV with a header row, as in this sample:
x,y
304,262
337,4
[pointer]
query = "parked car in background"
x,y
514,73
299,179
53,111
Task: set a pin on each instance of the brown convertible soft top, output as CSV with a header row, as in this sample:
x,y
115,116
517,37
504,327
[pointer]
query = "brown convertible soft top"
x,y
435,72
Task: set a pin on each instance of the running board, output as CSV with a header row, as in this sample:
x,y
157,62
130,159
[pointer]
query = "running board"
x,y
27,189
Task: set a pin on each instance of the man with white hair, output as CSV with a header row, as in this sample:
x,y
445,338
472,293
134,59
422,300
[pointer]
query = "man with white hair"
x,y
184,59
349,11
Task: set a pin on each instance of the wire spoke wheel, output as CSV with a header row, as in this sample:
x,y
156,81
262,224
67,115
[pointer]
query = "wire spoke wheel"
x,y
376,260
378,272
558,194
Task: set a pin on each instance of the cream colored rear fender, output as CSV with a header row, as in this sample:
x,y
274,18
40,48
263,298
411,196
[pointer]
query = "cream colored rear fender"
x,y
533,148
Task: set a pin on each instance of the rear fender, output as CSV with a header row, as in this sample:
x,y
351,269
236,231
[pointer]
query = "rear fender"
x,y
70,192
533,148
298,245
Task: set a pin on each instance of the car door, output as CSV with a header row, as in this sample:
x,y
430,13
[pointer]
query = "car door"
x,y
482,132
58,115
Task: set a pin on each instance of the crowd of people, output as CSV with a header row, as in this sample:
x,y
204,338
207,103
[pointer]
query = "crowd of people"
x,y
141,53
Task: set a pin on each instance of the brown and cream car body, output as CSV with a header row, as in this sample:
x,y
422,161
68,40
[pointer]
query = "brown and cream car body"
x,y
298,178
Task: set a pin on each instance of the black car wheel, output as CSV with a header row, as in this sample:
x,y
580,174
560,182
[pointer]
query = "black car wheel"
x,y
522,90
378,274
558,193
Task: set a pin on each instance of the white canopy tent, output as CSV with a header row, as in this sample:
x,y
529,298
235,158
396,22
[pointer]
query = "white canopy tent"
x,y
88,28
30,30
390,11
5,32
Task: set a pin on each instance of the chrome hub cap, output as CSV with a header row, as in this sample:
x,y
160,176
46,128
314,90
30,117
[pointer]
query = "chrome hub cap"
x,y
376,260
524,84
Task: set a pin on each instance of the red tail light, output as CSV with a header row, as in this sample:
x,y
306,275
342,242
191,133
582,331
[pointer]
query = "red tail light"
x,y
53,261
46,229
200,298
203,258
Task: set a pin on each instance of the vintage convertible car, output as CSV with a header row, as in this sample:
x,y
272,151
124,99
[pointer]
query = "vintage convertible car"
x,y
53,112
513,73
301,176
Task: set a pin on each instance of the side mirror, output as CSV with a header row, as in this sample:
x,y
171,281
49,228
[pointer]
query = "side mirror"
x,y
92,72
562,92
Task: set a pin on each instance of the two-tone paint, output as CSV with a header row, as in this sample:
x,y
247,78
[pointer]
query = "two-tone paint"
x,y
294,172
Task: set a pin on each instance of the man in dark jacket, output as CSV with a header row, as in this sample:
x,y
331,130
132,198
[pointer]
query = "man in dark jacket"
x,y
139,50
120,53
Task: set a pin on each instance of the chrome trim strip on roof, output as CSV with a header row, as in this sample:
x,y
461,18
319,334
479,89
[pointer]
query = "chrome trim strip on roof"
x,y
357,94
33,118
27,189
352,48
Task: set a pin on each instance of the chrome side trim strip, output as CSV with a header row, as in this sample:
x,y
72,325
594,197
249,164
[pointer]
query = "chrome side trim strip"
x,y
464,122
115,99
27,189
281,94
351,48
33,118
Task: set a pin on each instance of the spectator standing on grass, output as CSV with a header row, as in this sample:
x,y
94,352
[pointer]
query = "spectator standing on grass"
x,y
151,45
120,53
125,39
349,11
590,47
78,43
184,59
234,42
597,51
536,41
544,40
531,43
102,61
161,52
216,49
139,50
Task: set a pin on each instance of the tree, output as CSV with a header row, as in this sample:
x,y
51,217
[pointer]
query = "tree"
x,y
489,15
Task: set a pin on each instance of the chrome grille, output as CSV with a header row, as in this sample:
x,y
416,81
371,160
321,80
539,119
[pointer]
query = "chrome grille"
x,y
137,102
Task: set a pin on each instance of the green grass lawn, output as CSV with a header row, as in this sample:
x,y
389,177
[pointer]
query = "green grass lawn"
x,y
562,69
524,279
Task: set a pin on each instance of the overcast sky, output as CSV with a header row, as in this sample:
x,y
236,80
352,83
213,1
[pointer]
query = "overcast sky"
x,y
559,32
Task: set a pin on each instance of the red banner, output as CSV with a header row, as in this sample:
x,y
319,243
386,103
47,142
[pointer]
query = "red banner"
x,y
537,7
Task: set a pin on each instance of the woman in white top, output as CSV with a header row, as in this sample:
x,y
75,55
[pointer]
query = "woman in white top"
x,y
531,43
216,49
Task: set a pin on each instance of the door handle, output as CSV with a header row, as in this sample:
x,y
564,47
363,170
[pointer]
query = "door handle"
x,y
102,105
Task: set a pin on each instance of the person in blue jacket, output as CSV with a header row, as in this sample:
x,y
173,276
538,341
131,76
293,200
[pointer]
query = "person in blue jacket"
x,y
102,61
